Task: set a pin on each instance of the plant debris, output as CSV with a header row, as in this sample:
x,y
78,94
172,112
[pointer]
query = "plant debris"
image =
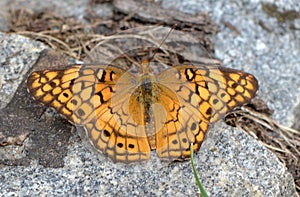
x,y
272,10
13,140
76,38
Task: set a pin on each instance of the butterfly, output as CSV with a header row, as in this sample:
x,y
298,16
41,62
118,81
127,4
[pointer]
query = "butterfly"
x,y
127,113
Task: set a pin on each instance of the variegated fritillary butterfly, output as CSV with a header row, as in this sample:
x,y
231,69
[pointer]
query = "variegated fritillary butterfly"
x,y
128,113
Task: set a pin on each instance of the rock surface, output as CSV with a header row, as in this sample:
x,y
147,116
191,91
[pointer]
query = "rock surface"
x,y
229,163
18,54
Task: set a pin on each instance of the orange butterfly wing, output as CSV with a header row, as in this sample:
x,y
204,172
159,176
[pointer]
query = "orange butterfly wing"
x,y
83,95
194,97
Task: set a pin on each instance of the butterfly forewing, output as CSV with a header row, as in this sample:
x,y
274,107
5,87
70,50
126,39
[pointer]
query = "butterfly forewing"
x,y
53,88
74,92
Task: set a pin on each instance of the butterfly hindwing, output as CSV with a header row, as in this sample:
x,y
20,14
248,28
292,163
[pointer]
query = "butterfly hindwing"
x,y
114,131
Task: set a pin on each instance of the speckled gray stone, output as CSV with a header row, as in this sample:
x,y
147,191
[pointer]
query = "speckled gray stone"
x,y
17,55
273,57
227,167
67,8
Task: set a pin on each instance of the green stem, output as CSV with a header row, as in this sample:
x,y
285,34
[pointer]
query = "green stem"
x,y
202,190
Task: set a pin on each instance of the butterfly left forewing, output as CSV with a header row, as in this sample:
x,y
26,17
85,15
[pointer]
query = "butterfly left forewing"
x,y
73,92
54,89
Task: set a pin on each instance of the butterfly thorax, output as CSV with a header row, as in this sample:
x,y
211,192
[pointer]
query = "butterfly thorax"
x,y
147,94
143,100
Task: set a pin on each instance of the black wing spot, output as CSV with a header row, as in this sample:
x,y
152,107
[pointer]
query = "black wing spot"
x,y
215,101
193,127
209,111
131,146
106,133
52,84
72,82
184,140
74,101
81,112
66,95
175,141
120,145
234,85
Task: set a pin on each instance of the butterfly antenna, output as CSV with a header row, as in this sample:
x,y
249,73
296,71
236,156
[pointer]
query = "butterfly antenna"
x,y
163,41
